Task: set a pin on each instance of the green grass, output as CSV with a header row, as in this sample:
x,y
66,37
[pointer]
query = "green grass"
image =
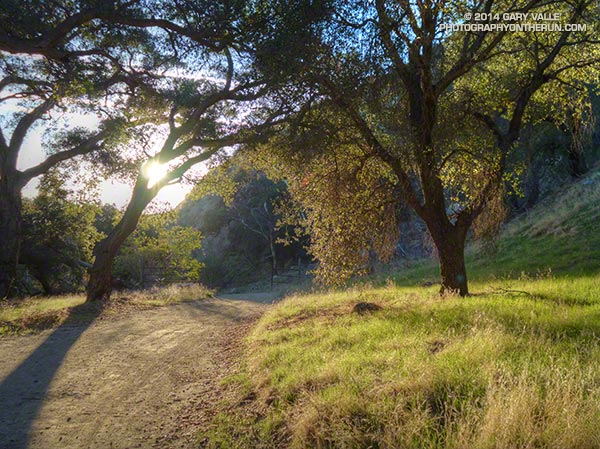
x,y
34,314
516,365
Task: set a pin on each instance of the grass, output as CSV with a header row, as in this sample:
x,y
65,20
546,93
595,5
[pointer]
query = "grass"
x,y
34,314
516,365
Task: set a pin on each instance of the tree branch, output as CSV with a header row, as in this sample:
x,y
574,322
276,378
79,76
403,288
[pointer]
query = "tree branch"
x,y
25,124
405,183
86,147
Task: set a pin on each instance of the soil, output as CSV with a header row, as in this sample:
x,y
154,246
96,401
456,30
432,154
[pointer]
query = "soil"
x,y
150,379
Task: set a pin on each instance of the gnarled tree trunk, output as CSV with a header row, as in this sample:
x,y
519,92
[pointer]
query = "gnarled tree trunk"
x,y
449,240
100,284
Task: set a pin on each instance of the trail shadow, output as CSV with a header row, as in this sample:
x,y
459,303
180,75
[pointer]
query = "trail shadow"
x,y
23,391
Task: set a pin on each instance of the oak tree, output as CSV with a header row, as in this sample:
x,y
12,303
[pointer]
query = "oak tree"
x,y
441,108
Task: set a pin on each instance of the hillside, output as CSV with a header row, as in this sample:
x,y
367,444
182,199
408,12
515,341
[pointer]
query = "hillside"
x,y
515,365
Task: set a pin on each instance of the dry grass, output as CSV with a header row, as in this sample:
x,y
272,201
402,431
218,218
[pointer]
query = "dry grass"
x,y
35,314
170,294
562,217
425,372
559,412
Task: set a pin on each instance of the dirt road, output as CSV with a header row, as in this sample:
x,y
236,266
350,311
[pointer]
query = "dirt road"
x,y
143,380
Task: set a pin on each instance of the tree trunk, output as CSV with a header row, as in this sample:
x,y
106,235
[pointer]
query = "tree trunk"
x,y
43,279
273,254
577,164
10,235
100,284
450,244
452,267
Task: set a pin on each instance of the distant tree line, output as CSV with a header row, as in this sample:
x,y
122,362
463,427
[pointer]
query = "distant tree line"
x,y
61,229
221,239
245,235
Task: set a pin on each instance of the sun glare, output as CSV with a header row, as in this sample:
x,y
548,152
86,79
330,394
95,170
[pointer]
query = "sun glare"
x,y
154,172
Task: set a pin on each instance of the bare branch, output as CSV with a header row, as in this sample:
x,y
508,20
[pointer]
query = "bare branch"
x,y
385,28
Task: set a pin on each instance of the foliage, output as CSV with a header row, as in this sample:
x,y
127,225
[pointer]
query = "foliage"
x,y
106,218
240,221
402,84
342,197
76,80
202,84
59,235
67,70
159,251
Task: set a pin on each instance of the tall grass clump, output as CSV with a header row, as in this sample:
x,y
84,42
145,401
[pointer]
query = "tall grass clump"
x,y
169,294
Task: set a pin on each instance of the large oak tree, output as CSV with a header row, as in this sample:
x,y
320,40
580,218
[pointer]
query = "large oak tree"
x,y
178,72
49,76
441,110
212,103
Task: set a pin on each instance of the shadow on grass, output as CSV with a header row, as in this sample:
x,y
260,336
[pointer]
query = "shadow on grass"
x,y
23,391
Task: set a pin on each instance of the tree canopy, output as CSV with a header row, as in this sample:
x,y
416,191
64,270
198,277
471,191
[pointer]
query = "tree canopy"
x,y
175,74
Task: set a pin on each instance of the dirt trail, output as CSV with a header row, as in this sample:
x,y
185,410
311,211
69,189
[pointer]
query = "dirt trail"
x,y
143,380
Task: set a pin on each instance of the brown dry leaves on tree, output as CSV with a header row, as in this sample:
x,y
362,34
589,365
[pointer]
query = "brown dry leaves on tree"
x,y
345,200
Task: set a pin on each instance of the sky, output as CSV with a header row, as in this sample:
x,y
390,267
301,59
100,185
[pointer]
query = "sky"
x,y
111,191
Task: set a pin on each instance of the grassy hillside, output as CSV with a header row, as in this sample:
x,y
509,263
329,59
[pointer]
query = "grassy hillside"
x,y
516,365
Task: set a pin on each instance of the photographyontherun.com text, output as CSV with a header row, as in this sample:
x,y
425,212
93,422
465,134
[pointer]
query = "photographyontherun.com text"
x,y
513,27
513,22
